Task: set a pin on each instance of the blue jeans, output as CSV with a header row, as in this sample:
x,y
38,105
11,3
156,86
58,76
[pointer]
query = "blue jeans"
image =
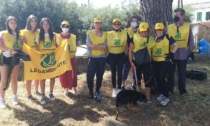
x,y
96,66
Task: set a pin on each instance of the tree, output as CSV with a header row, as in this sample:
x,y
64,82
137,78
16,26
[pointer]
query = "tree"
x,y
154,11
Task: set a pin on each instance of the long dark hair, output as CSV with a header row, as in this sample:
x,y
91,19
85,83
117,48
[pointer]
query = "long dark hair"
x,y
50,31
9,29
28,23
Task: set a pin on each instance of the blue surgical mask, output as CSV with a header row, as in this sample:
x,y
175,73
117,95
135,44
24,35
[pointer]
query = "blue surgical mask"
x,y
176,18
133,24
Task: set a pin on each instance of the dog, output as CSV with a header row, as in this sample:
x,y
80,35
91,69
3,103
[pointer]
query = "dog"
x,y
128,98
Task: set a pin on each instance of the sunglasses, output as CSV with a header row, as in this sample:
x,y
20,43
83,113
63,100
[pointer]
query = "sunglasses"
x,y
117,24
159,30
65,26
34,20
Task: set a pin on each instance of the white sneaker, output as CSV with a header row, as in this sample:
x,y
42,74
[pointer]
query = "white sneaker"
x,y
160,98
14,100
164,101
2,103
118,90
52,97
43,100
114,93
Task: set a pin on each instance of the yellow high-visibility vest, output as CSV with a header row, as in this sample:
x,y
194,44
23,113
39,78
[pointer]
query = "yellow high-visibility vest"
x,y
96,40
72,45
116,41
47,46
160,50
181,37
141,42
10,40
32,38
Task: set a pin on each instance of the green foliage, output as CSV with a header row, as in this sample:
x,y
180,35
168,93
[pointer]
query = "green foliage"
x,y
80,17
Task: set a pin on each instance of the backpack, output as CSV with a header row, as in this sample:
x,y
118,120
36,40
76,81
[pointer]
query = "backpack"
x,y
196,74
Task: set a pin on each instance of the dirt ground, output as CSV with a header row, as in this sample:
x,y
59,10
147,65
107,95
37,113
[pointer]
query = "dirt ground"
x,y
79,110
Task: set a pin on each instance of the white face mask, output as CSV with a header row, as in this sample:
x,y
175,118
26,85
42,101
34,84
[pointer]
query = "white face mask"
x,y
133,24
65,30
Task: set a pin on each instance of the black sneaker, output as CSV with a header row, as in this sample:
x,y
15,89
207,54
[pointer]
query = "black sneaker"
x,y
31,98
133,88
97,96
91,95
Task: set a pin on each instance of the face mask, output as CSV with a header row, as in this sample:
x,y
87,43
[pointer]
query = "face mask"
x,y
176,18
133,24
65,30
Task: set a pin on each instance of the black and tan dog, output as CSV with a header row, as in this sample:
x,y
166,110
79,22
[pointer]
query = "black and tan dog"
x,y
128,98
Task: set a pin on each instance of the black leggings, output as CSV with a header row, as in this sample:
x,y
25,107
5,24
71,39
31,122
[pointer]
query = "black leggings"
x,y
146,70
116,62
162,70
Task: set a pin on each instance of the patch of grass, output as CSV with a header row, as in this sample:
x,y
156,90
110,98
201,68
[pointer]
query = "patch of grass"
x,y
79,110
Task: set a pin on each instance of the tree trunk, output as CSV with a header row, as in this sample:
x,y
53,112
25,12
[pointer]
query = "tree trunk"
x,y
154,11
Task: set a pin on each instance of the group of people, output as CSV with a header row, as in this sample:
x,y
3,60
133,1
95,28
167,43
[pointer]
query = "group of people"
x,y
132,48
153,58
42,40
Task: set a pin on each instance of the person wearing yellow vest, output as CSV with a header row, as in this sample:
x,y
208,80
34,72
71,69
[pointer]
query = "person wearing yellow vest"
x,y
31,37
162,60
47,43
69,78
10,41
182,33
116,42
142,40
132,28
97,48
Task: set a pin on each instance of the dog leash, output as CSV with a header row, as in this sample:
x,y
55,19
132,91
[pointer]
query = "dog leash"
x,y
137,86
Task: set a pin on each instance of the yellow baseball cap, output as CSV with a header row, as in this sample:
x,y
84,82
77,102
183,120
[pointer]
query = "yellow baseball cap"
x,y
116,20
159,26
97,19
64,23
143,26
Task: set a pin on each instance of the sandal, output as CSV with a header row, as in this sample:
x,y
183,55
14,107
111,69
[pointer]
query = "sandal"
x,y
37,93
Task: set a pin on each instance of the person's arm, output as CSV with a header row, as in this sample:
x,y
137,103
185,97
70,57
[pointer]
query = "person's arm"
x,y
190,41
173,42
131,46
127,45
94,47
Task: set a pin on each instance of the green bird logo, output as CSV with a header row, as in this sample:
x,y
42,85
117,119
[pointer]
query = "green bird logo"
x,y
48,61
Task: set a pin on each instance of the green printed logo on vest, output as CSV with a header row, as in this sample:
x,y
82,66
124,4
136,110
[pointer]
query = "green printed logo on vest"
x,y
178,36
47,44
117,42
158,51
16,45
49,60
